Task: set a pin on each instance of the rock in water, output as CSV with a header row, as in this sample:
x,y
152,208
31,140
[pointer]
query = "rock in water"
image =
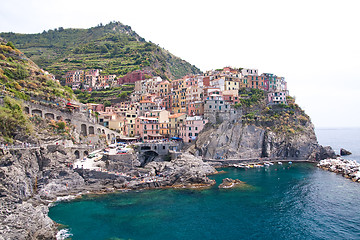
x,y
229,183
344,152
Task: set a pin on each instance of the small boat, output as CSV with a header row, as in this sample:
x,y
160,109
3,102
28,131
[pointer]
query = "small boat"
x,y
280,163
290,162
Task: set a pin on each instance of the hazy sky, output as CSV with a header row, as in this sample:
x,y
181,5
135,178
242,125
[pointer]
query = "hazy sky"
x,y
314,44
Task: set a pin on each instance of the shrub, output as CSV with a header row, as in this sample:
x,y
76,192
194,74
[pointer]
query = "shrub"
x,y
303,120
12,119
10,44
4,48
17,86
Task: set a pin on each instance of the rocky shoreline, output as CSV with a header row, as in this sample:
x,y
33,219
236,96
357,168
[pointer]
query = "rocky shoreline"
x,y
32,179
347,168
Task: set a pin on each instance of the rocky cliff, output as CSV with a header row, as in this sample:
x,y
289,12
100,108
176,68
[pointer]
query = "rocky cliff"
x,y
26,177
261,131
244,141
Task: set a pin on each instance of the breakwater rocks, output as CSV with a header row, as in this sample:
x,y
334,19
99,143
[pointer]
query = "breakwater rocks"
x,y
348,168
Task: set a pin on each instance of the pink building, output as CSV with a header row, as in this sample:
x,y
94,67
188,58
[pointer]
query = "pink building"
x,y
134,76
148,128
96,107
195,108
191,128
232,99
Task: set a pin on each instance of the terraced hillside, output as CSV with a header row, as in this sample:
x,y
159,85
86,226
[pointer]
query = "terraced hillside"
x,y
114,48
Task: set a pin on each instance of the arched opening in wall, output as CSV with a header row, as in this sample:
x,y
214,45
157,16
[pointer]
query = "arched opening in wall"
x,y
27,110
86,153
83,130
77,154
59,118
91,130
99,131
49,116
149,156
37,112
68,120
145,148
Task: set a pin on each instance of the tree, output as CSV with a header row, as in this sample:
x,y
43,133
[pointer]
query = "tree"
x,y
10,44
107,103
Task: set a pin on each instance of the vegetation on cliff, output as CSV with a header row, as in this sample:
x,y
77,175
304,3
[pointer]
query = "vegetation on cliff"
x,y
281,118
12,120
22,78
115,48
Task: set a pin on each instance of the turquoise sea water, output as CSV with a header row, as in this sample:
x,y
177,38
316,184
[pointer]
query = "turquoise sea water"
x,y
297,201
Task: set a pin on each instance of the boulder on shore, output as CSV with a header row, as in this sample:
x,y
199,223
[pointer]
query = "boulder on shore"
x,y
344,152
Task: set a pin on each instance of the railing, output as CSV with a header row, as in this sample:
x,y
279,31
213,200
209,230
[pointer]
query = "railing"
x,y
19,146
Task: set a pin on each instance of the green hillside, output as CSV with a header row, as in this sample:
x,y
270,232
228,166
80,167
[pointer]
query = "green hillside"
x,y
22,78
114,48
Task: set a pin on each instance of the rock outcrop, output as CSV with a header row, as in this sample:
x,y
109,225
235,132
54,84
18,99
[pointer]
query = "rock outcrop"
x,y
28,178
185,171
344,152
229,183
245,141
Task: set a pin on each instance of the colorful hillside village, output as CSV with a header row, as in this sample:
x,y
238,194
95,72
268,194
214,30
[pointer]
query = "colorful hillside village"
x,y
178,109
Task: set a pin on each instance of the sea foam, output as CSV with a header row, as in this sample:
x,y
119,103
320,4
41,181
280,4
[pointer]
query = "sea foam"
x,y
63,234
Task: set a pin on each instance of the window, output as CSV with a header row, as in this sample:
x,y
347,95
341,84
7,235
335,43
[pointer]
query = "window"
x,y
190,134
196,128
189,128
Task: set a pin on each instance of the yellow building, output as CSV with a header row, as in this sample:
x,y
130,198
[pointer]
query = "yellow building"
x,y
232,84
129,128
174,123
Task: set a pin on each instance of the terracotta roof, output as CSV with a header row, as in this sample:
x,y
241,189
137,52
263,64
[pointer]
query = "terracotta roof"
x,y
176,115
146,101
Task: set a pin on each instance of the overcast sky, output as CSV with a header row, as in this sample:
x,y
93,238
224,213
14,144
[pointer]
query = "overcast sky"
x,y
314,44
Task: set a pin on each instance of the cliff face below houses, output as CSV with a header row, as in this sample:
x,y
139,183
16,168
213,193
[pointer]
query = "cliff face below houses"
x,y
243,141
261,131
